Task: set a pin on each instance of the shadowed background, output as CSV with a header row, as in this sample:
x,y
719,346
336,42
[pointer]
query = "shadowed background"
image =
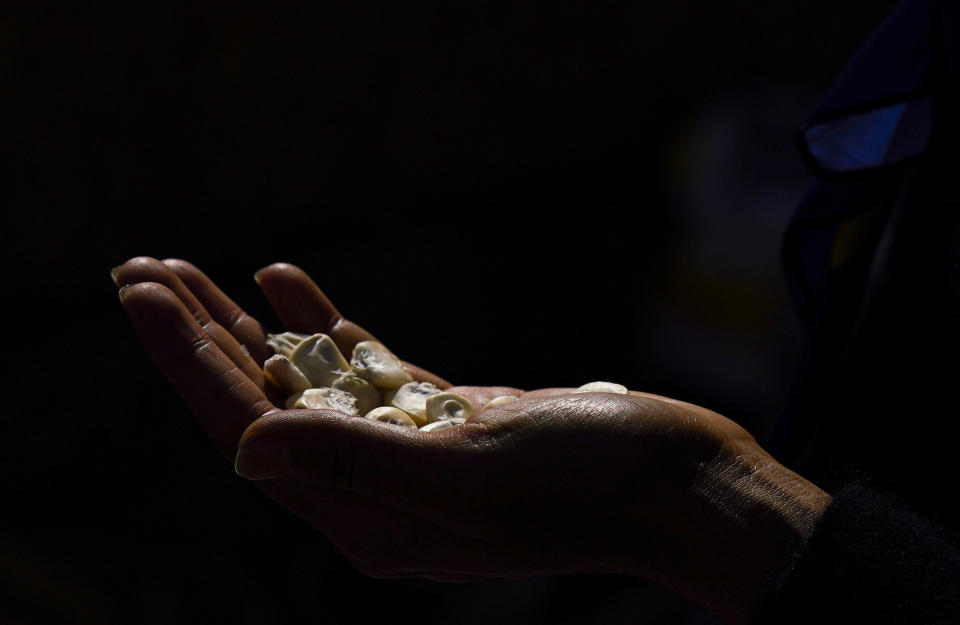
x,y
504,193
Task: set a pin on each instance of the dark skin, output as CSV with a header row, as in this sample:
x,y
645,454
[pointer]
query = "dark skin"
x,y
553,483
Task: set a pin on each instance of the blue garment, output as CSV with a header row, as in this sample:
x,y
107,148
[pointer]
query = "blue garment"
x,y
875,121
873,260
862,143
878,112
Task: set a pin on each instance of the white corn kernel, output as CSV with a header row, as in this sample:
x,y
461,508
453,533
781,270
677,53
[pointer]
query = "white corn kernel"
x,y
327,399
412,399
499,401
602,387
367,395
442,425
320,360
292,400
444,406
376,364
388,414
285,375
285,342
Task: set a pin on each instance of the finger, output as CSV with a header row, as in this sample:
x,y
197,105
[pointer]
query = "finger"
x,y
302,307
437,476
146,269
224,399
247,330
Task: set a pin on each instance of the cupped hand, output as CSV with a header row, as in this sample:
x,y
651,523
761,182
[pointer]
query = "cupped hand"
x,y
555,482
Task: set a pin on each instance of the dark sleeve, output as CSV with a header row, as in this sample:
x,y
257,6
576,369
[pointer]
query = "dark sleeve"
x,y
871,560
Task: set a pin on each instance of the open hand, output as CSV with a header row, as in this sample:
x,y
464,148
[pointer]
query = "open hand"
x,y
553,483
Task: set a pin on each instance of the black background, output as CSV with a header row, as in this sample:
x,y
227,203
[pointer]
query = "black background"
x,y
505,193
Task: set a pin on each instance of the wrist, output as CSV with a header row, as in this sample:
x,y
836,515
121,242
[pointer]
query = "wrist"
x,y
751,514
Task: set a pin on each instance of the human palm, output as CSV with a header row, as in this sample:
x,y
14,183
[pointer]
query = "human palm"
x,y
555,482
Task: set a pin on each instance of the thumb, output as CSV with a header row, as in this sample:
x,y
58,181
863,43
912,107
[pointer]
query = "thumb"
x,y
434,475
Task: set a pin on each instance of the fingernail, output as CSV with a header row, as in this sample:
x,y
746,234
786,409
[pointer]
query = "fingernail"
x,y
123,290
264,458
113,274
256,275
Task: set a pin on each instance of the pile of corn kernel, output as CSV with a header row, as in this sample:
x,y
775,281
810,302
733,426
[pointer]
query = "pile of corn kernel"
x,y
312,373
